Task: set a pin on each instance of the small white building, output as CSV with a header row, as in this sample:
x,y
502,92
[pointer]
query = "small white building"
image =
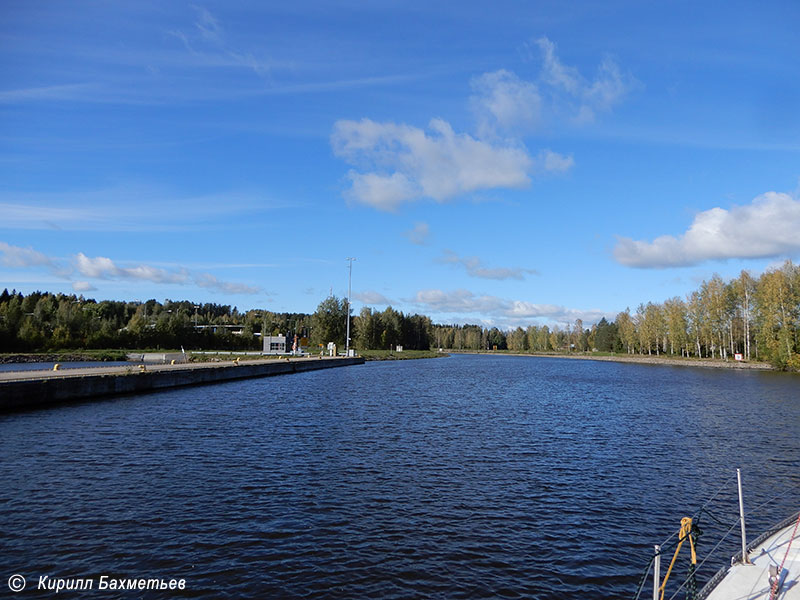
x,y
274,344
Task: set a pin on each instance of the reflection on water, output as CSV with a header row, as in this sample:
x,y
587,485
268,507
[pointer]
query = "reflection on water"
x,y
464,477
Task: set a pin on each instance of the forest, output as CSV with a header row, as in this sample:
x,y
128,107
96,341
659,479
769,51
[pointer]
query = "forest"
x,y
43,321
757,317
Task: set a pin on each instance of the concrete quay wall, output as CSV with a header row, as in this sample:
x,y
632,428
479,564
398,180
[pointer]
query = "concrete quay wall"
x,y
48,388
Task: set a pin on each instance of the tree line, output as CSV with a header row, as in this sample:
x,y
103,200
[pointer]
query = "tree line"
x,y
370,329
43,321
757,317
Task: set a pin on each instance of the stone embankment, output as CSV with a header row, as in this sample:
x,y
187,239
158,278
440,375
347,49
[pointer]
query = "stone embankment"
x,y
662,360
23,389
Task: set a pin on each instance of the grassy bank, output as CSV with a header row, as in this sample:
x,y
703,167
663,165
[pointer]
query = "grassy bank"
x,y
121,355
65,356
643,359
404,355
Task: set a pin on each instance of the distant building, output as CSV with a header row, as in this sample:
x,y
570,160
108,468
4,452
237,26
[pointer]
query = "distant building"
x,y
233,329
274,344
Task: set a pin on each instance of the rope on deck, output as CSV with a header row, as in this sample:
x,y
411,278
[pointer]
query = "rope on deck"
x,y
775,583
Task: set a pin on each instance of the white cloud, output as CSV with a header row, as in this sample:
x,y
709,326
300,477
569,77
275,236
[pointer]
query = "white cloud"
x,y
104,268
505,102
101,267
83,286
398,163
16,256
419,234
500,311
386,192
475,267
768,227
413,163
372,298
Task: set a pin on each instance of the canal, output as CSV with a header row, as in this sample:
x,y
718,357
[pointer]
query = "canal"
x,y
462,477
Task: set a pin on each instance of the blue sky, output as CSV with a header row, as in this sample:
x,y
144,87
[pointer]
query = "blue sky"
x,y
505,163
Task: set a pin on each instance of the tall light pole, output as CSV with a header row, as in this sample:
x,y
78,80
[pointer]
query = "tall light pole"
x,y
349,288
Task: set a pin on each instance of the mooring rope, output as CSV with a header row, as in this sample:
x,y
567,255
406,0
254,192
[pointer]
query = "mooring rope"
x,y
716,519
692,534
697,513
709,555
775,583
643,578
690,579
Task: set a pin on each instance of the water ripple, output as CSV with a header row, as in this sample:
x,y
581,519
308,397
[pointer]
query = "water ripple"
x,y
468,477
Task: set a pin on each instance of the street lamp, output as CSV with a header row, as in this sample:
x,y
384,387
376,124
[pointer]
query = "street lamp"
x,y
347,316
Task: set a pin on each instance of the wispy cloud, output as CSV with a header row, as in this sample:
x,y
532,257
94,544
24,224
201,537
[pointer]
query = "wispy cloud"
x,y
18,257
26,258
74,91
505,104
419,234
120,208
103,268
83,286
502,311
461,302
206,280
208,42
207,24
372,298
582,97
475,268
548,161
768,227
149,88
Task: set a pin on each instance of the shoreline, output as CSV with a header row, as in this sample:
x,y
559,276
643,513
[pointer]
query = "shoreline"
x,y
27,389
196,358
648,360
370,356
66,356
384,355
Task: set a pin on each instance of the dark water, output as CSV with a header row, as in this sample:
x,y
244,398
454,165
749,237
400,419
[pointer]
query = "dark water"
x,y
466,477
